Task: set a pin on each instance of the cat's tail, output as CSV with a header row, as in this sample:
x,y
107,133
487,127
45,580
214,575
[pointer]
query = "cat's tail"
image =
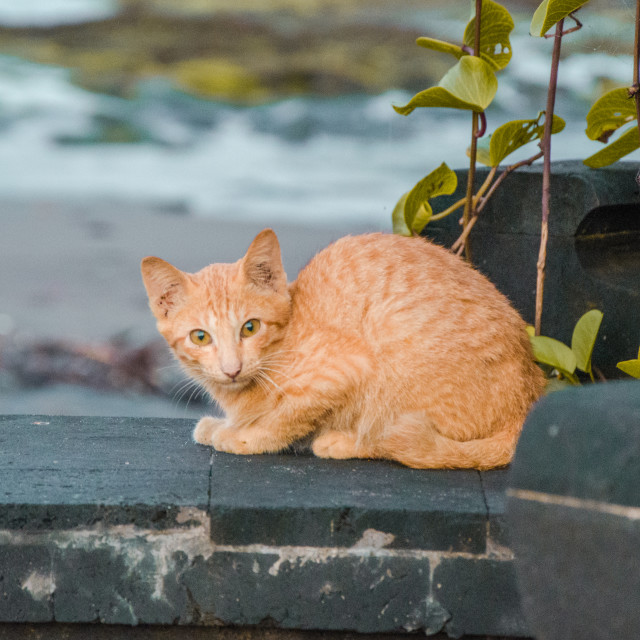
x,y
415,442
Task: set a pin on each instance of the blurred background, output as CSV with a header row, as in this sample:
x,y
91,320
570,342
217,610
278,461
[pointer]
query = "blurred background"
x,y
181,127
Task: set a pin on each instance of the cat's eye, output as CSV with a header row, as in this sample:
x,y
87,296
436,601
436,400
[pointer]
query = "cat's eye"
x,y
200,337
250,328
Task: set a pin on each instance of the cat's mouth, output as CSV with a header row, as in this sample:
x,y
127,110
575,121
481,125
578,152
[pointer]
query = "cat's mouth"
x,y
235,383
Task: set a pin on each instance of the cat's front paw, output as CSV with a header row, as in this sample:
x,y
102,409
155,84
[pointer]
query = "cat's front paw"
x,y
228,441
245,441
206,429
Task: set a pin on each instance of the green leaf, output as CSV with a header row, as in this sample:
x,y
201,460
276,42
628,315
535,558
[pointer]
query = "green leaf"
x,y
495,26
483,150
399,225
629,141
513,135
554,353
470,84
610,112
550,12
555,384
441,45
417,210
422,217
584,338
632,367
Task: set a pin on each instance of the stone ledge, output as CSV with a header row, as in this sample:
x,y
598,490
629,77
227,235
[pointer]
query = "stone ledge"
x,y
65,631
126,521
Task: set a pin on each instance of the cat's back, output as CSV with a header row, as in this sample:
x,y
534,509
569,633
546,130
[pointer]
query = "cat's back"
x,y
419,313
382,274
369,260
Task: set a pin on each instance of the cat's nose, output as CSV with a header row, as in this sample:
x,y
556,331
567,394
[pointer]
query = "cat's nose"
x,y
232,372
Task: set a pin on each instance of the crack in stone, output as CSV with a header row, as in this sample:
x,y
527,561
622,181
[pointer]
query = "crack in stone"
x,y
194,608
493,549
484,495
209,486
487,514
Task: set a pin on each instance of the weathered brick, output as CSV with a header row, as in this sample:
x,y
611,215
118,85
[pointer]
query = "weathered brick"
x,y
312,590
26,583
303,500
481,595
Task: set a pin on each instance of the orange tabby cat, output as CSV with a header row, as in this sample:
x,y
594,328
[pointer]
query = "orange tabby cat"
x,y
384,347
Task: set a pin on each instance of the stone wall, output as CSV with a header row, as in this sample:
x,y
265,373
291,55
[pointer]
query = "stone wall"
x,y
125,521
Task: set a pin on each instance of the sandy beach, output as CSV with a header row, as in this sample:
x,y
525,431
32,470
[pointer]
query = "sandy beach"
x,y
69,275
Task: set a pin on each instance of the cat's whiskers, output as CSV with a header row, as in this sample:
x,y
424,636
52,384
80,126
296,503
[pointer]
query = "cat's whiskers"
x,y
172,365
180,385
262,382
197,391
179,402
281,355
284,375
197,384
278,358
275,363
264,378
189,385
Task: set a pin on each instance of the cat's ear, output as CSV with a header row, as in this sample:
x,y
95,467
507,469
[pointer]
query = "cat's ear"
x,y
166,286
262,264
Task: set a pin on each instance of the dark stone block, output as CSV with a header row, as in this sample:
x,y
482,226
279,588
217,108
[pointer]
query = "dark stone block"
x,y
60,472
593,253
494,485
87,587
303,500
26,583
574,513
313,591
579,571
584,443
115,586
295,542
481,596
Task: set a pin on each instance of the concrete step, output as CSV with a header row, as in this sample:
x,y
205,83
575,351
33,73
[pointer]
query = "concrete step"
x,y
574,513
125,521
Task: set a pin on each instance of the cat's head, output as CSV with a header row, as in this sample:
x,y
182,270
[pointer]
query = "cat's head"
x,y
225,322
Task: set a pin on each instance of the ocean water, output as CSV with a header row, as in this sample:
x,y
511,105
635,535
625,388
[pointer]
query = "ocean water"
x,y
317,161
50,12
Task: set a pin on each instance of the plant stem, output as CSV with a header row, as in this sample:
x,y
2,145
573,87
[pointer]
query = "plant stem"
x,y
448,210
576,28
471,178
636,64
473,151
479,206
546,174
476,40
458,245
504,174
599,373
460,203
